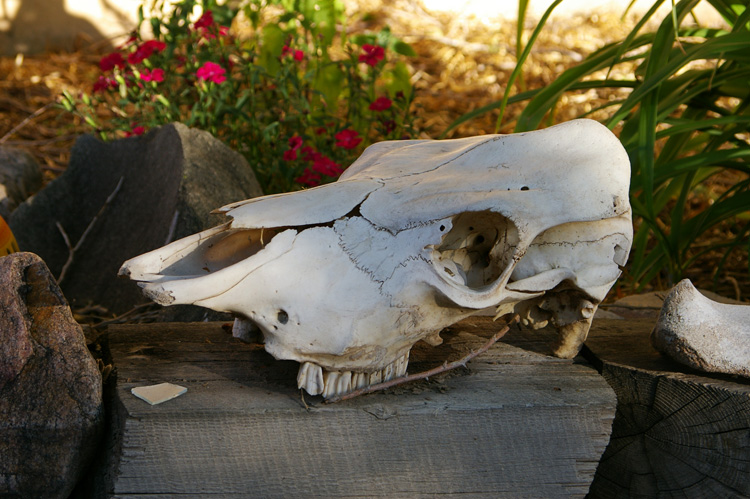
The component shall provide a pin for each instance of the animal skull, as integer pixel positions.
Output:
(416, 235)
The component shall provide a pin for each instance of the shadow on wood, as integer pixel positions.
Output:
(513, 423)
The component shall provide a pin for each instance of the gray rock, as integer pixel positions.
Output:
(172, 178)
(20, 177)
(702, 333)
(51, 412)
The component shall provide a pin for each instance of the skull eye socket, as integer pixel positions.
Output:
(477, 248)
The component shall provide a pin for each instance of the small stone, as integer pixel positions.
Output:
(51, 413)
(156, 394)
(702, 333)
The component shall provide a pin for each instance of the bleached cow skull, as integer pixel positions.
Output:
(414, 236)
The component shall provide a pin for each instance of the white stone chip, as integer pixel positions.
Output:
(156, 394)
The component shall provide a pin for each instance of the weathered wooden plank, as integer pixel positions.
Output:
(514, 423)
(678, 432)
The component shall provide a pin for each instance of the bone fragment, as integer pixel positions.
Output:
(156, 394)
(702, 333)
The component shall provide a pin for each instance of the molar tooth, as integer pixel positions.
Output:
(389, 371)
(375, 378)
(360, 380)
(401, 365)
(310, 377)
(344, 383)
(330, 378)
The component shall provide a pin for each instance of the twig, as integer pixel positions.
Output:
(447, 366)
(125, 315)
(25, 121)
(39, 142)
(172, 227)
(72, 249)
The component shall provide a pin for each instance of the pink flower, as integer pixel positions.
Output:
(381, 104)
(289, 155)
(104, 83)
(111, 61)
(205, 25)
(205, 21)
(327, 166)
(372, 54)
(309, 178)
(145, 50)
(212, 72)
(348, 139)
(156, 75)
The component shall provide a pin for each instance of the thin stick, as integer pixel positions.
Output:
(25, 121)
(447, 366)
(72, 250)
(172, 227)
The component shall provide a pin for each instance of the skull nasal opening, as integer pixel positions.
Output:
(477, 248)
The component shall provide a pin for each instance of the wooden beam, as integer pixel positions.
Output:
(513, 423)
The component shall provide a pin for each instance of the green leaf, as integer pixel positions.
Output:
(403, 48)
(329, 81)
(271, 48)
(398, 79)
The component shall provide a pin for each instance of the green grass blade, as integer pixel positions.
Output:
(535, 111)
(735, 159)
(624, 46)
(522, 60)
(710, 49)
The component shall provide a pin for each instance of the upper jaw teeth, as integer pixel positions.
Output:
(316, 381)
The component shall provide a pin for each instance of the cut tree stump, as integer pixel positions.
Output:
(678, 432)
(513, 423)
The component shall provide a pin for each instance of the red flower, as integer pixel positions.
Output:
(131, 39)
(348, 139)
(145, 50)
(327, 166)
(135, 130)
(156, 75)
(310, 154)
(295, 142)
(111, 61)
(297, 55)
(372, 54)
(104, 83)
(309, 178)
(289, 155)
(381, 104)
(205, 21)
(212, 72)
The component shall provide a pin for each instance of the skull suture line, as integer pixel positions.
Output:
(416, 235)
